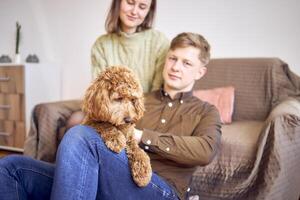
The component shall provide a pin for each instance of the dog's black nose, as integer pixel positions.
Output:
(127, 119)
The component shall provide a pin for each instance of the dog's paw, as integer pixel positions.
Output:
(116, 143)
(141, 168)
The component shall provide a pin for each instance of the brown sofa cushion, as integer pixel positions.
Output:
(260, 83)
(243, 134)
(234, 162)
(238, 146)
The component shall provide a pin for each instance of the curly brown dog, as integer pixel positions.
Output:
(112, 105)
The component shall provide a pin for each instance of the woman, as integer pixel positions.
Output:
(130, 41)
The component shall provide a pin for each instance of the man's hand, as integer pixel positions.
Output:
(137, 134)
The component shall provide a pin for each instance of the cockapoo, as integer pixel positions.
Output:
(112, 105)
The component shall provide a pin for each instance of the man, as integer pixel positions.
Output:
(178, 131)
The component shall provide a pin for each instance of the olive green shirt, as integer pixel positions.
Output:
(144, 52)
(178, 135)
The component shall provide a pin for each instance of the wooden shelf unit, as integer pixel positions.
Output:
(12, 107)
(21, 88)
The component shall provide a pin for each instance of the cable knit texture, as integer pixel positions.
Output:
(144, 52)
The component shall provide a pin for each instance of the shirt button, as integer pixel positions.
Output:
(181, 101)
(163, 121)
(146, 147)
(148, 141)
(170, 104)
(189, 189)
(167, 149)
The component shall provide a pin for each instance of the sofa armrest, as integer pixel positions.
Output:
(290, 106)
(278, 153)
(46, 120)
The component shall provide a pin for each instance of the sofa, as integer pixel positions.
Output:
(260, 148)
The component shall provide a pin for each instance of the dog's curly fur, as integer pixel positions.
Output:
(113, 104)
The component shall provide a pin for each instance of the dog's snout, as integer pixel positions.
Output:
(127, 119)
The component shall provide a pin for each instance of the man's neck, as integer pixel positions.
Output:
(172, 94)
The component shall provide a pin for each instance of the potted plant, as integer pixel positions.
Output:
(18, 37)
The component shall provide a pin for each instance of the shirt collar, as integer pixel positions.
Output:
(161, 94)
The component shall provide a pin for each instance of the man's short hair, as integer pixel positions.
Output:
(187, 39)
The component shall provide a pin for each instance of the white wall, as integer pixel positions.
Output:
(61, 32)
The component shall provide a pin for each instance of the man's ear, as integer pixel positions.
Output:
(201, 72)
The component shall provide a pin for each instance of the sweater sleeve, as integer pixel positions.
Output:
(197, 149)
(97, 59)
(160, 61)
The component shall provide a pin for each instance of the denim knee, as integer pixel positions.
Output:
(11, 163)
(80, 138)
(80, 134)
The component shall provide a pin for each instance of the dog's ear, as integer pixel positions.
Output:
(96, 100)
(139, 106)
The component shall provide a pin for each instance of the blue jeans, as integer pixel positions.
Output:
(85, 169)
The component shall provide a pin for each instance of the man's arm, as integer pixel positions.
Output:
(198, 148)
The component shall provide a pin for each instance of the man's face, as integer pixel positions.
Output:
(182, 68)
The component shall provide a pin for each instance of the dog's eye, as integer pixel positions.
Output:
(119, 99)
(133, 100)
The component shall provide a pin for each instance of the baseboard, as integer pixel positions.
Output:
(11, 149)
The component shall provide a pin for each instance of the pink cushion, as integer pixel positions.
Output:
(222, 98)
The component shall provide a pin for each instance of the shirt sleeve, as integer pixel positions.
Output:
(197, 149)
(97, 59)
(159, 63)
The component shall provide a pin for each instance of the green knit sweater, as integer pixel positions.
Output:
(144, 52)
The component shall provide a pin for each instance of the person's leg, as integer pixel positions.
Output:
(87, 169)
(22, 177)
